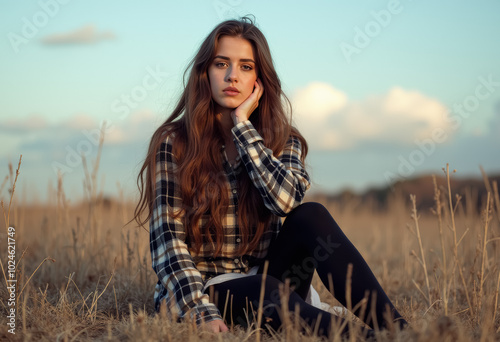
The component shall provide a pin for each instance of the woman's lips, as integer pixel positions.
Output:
(231, 92)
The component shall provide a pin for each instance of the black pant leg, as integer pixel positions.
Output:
(242, 295)
(311, 239)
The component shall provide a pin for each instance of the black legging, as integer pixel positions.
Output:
(309, 240)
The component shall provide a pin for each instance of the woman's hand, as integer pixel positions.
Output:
(216, 326)
(246, 108)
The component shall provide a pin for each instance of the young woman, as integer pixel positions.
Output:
(219, 174)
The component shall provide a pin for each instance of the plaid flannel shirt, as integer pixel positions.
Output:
(281, 180)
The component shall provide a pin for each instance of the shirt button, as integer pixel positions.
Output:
(235, 191)
(223, 146)
(238, 240)
(236, 261)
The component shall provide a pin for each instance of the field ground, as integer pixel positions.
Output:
(83, 274)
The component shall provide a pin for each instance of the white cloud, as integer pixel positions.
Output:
(330, 121)
(319, 100)
(138, 126)
(79, 121)
(33, 133)
(83, 35)
(17, 125)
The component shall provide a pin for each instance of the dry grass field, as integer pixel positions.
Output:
(83, 274)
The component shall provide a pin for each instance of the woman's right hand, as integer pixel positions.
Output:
(216, 326)
(246, 108)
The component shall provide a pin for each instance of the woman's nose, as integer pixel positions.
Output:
(232, 75)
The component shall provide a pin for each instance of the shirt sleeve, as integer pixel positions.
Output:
(179, 282)
(281, 180)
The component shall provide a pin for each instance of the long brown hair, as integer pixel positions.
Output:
(198, 140)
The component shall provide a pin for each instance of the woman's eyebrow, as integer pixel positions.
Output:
(241, 59)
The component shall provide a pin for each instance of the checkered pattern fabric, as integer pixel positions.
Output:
(281, 180)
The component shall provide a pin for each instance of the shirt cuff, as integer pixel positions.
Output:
(244, 133)
(206, 313)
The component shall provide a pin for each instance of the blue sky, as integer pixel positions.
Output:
(381, 90)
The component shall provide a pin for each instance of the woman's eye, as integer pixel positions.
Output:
(247, 67)
(220, 64)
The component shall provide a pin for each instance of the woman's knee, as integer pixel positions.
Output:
(307, 211)
(313, 215)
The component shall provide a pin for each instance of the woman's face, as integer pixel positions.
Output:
(232, 73)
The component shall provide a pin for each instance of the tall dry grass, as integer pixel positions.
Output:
(84, 274)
